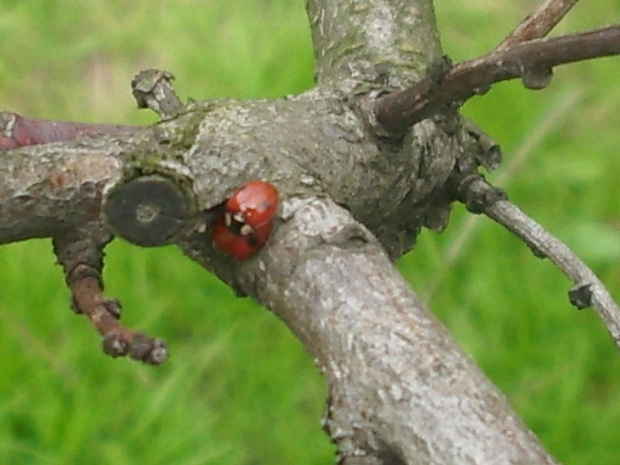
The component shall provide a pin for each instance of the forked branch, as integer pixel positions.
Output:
(148, 211)
(531, 61)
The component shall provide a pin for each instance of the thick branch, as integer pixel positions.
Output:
(46, 189)
(165, 183)
(389, 42)
(532, 61)
(399, 385)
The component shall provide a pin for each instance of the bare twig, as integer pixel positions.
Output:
(118, 340)
(81, 255)
(532, 61)
(18, 131)
(514, 163)
(151, 89)
(588, 291)
(539, 23)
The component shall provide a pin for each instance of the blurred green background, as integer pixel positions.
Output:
(238, 388)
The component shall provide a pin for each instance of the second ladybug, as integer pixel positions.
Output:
(247, 221)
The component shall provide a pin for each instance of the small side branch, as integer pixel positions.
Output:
(540, 23)
(588, 291)
(81, 255)
(152, 89)
(531, 61)
(18, 131)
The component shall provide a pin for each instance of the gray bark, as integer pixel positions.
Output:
(400, 390)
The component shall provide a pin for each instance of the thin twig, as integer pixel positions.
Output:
(539, 23)
(118, 341)
(532, 61)
(80, 252)
(151, 89)
(18, 131)
(588, 291)
(514, 163)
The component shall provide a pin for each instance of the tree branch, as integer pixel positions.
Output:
(531, 61)
(18, 131)
(81, 255)
(161, 184)
(50, 187)
(540, 23)
(399, 386)
(401, 391)
(389, 42)
(588, 290)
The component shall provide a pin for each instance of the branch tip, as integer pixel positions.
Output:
(152, 89)
(489, 152)
(81, 256)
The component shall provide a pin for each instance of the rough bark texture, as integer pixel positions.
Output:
(401, 391)
(363, 41)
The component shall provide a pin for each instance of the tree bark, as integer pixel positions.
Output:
(401, 391)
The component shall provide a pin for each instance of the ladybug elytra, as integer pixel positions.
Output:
(247, 221)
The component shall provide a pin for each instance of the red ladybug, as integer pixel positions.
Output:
(246, 223)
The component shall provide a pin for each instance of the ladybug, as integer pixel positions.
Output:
(246, 224)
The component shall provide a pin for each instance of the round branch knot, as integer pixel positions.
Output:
(148, 211)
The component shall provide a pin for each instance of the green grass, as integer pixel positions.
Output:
(238, 388)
